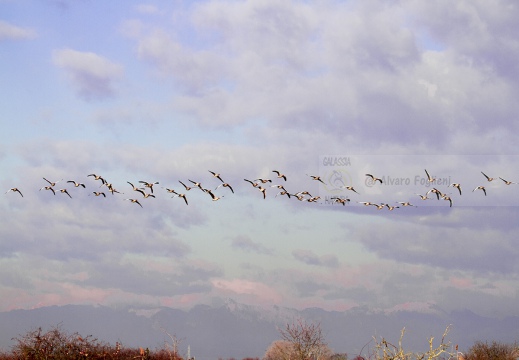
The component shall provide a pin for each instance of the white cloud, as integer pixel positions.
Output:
(12, 32)
(92, 75)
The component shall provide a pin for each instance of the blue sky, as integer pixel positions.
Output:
(166, 91)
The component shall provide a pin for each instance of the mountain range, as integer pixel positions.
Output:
(232, 330)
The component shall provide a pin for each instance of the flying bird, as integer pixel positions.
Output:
(435, 191)
(448, 198)
(424, 197)
(280, 175)
(48, 188)
(215, 198)
(135, 188)
(488, 178)
(183, 196)
(349, 188)
(198, 185)
(263, 181)
(52, 183)
(263, 190)
(225, 185)
(507, 182)
(429, 177)
(76, 184)
(15, 190)
(146, 195)
(252, 183)
(481, 188)
(98, 177)
(97, 193)
(185, 186)
(391, 208)
(457, 186)
(149, 184)
(405, 203)
(375, 179)
(342, 201)
(316, 178)
(135, 201)
(64, 191)
(216, 175)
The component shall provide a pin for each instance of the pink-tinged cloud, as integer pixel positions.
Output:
(261, 292)
(461, 283)
(92, 75)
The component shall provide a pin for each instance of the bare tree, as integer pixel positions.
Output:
(307, 340)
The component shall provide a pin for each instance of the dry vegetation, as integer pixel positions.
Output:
(299, 341)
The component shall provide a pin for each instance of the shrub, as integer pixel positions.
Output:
(494, 351)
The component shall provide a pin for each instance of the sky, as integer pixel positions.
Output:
(169, 91)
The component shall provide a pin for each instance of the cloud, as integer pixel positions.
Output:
(12, 32)
(92, 75)
(244, 243)
(310, 258)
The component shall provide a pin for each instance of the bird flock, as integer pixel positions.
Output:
(145, 189)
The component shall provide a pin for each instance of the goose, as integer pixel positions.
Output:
(281, 187)
(379, 206)
(507, 182)
(215, 198)
(225, 185)
(313, 199)
(135, 201)
(135, 188)
(366, 203)
(185, 186)
(446, 197)
(284, 192)
(263, 181)
(15, 190)
(98, 177)
(304, 193)
(183, 196)
(375, 179)
(280, 175)
(48, 188)
(489, 179)
(481, 188)
(149, 184)
(391, 208)
(169, 190)
(316, 178)
(255, 184)
(424, 197)
(430, 179)
(457, 186)
(64, 191)
(350, 188)
(405, 203)
(97, 193)
(76, 184)
(263, 190)
(299, 197)
(198, 185)
(146, 195)
(52, 183)
(436, 191)
(216, 175)
(343, 201)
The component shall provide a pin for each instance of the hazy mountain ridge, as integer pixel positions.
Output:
(230, 329)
